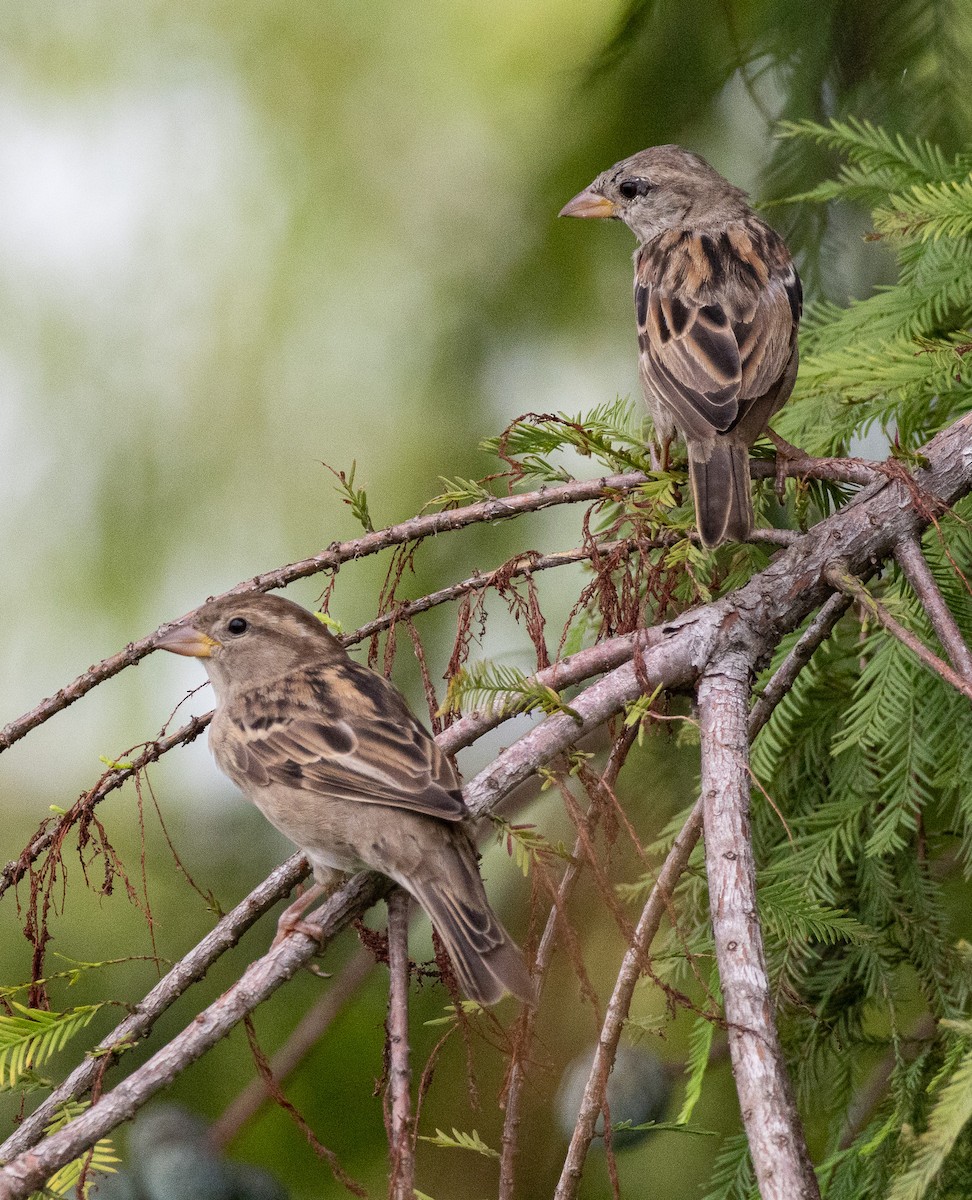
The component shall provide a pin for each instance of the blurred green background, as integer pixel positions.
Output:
(238, 241)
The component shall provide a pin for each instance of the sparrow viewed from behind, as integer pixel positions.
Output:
(332, 756)
(718, 302)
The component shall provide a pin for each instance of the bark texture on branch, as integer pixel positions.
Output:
(677, 860)
(399, 1104)
(777, 1143)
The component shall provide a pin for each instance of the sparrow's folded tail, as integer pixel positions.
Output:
(487, 961)
(719, 474)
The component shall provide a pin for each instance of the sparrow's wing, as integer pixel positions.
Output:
(342, 730)
(717, 318)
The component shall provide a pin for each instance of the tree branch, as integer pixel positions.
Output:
(816, 633)
(195, 964)
(109, 782)
(620, 1002)
(856, 471)
(20, 1176)
(138, 1024)
(497, 509)
(853, 587)
(941, 446)
(776, 688)
(462, 733)
(400, 1144)
(528, 1017)
(29, 1170)
(284, 878)
(917, 572)
(777, 1143)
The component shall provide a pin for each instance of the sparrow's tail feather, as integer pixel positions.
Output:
(487, 961)
(721, 489)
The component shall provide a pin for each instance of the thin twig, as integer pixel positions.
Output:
(841, 578)
(400, 1145)
(538, 972)
(668, 662)
(280, 882)
(917, 572)
(111, 780)
(308, 1032)
(785, 675)
(777, 1143)
(330, 559)
(529, 563)
(523, 564)
(462, 733)
(516, 1076)
(498, 509)
(21, 1175)
(194, 965)
(620, 1002)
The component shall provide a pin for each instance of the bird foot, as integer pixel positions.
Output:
(658, 453)
(296, 926)
(786, 452)
(292, 917)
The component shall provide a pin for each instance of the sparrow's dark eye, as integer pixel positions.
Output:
(237, 625)
(634, 187)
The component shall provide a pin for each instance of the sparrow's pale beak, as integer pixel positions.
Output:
(184, 639)
(589, 203)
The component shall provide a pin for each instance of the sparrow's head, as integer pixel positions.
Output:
(664, 187)
(249, 640)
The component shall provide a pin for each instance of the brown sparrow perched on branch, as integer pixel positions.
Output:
(332, 756)
(718, 302)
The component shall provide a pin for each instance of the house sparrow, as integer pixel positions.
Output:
(331, 755)
(718, 302)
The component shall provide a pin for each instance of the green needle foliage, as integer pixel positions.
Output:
(862, 800)
(27, 1041)
(489, 686)
(897, 359)
(461, 1141)
(101, 1159)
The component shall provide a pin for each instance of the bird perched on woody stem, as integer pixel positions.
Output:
(332, 756)
(718, 302)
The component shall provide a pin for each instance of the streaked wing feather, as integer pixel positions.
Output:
(712, 341)
(345, 732)
(764, 348)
